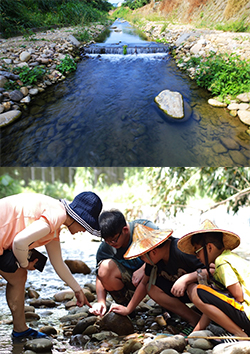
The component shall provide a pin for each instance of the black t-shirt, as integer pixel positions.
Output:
(105, 251)
(179, 263)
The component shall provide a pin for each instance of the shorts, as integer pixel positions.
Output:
(166, 286)
(124, 295)
(227, 304)
(8, 262)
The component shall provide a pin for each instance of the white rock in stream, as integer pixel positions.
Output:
(171, 103)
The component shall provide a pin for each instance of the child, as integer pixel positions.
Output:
(168, 272)
(229, 307)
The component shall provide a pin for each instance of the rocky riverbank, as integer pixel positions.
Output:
(186, 41)
(44, 50)
(151, 329)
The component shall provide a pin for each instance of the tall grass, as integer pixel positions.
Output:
(20, 15)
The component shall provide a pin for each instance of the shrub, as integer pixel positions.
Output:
(67, 65)
(30, 76)
(222, 74)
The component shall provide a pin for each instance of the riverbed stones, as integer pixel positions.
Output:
(39, 345)
(171, 103)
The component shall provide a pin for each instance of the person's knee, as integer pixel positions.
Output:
(106, 269)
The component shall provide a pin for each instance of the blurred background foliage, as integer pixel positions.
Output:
(169, 189)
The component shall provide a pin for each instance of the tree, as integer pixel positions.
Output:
(173, 187)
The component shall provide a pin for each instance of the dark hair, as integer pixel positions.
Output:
(111, 223)
(208, 237)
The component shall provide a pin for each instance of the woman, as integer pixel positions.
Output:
(32, 220)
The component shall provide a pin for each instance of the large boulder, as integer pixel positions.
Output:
(171, 103)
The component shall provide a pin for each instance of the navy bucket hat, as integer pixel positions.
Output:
(85, 210)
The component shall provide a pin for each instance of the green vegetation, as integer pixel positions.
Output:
(67, 65)
(25, 15)
(125, 49)
(135, 4)
(222, 74)
(234, 26)
(30, 76)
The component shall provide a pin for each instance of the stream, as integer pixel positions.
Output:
(104, 114)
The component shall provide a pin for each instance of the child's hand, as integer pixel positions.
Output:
(98, 309)
(122, 310)
(179, 287)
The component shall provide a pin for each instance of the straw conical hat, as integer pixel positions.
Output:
(230, 239)
(145, 239)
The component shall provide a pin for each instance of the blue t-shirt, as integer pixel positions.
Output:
(105, 251)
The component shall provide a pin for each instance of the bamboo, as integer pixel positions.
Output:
(217, 337)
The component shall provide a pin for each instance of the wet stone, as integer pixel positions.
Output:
(39, 345)
(77, 266)
(119, 324)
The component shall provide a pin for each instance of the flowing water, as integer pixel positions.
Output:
(104, 114)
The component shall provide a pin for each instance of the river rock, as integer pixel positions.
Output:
(215, 103)
(79, 340)
(244, 116)
(24, 56)
(43, 303)
(119, 324)
(49, 330)
(177, 342)
(244, 97)
(77, 266)
(83, 324)
(3, 80)
(131, 345)
(31, 316)
(8, 117)
(171, 103)
(74, 317)
(64, 295)
(16, 95)
(232, 348)
(73, 40)
(39, 345)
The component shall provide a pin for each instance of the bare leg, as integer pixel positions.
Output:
(174, 304)
(213, 313)
(15, 296)
(110, 275)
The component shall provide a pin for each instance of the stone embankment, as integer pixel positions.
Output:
(150, 330)
(187, 41)
(43, 49)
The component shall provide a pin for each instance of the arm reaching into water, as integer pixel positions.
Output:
(55, 256)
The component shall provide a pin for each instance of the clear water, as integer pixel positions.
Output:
(104, 114)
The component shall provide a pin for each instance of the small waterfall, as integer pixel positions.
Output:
(121, 48)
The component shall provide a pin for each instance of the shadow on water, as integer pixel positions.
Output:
(104, 114)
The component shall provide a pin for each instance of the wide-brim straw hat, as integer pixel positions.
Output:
(230, 239)
(145, 239)
(85, 209)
